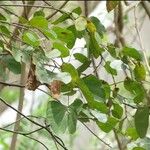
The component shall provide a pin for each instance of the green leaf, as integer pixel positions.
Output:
(39, 22)
(117, 111)
(138, 148)
(111, 5)
(65, 35)
(93, 104)
(77, 10)
(132, 133)
(83, 67)
(109, 125)
(2, 17)
(99, 27)
(109, 69)
(39, 13)
(57, 116)
(1, 46)
(141, 120)
(13, 65)
(136, 89)
(62, 18)
(49, 33)
(81, 23)
(31, 38)
(80, 57)
(4, 30)
(64, 50)
(112, 50)
(66, 67)
(94, 47)
(62, 116)
(139, 72)
(132, 52)
(95, 86)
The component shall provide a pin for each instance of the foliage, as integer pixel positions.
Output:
(97, 95)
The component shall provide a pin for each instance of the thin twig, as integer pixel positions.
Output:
(96, 135)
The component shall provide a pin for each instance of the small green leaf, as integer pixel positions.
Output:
(31, 38)
(111, 5)
(80, 57)
(112, 50)
(11, 64)
(4, 30)
(117, 111)
(80, 23)
(83, 67)
(1, 46)
(39, 13)
(49, 33)
(95, 86)
(139, 72)
(136, 89)
(99, 27)
(132, 52)
(39, 22)
(94, 47)
(132, 133)
(66, 67)
(2, 17)
(77, 10)
(109, 69)
(64, 50)
(93, 104)
(62, 18)
(141, 120)
(65, 35)
(109, 125)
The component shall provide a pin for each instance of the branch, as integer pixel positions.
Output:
(145, 8)
(51, 15)
(96, 135)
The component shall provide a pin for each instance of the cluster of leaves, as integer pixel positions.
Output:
(100, 96)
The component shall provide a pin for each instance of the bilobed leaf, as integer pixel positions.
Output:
(139, 72)
(91, 27)
(111, 5)
(81, 23)
(64, 50)
(99, 27)
(39, 22)
(132, 52)
(109, 125)
(141, 120)
(31, 38)
(112, 50)
(62, 18)
(109, 69)
(77, 10)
